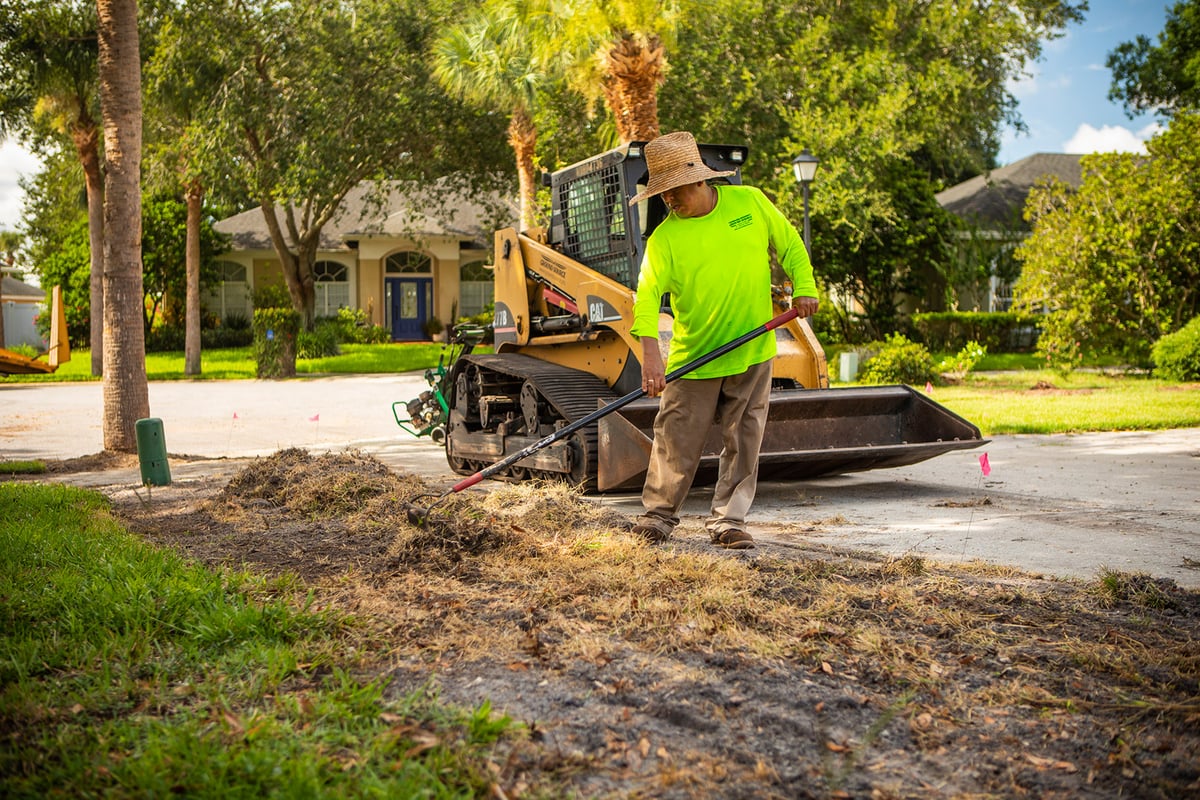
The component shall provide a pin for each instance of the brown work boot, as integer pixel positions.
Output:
(733, 539)
(652, 530)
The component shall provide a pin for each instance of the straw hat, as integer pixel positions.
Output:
(674, 160)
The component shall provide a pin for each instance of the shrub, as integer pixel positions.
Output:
(236, 322)
(965, 361)
(320, 342)
(271, 295)
(354, 327)
(999, 332)
(900, 361)
(165, 338)
(1177, 355)
(275, 331)
(433, 326)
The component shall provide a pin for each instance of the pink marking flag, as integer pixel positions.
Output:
(984, 465)
(928, 387)
(315, 418)
(235, 415)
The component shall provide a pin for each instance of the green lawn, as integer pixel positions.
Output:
(238, 363)
(126, 671)
(1046, 402)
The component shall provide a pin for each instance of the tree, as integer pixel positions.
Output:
(177, 146)
(495, 59)
(126, 395)
(880, 90)
(166, 271)
(1162, 78)
(316, 98)
(1117, 263)
(619, 52)
(48, 57)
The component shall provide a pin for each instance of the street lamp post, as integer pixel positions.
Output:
(805, 167)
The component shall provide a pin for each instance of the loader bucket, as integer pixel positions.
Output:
(809, 433)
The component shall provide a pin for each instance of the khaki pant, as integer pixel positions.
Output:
(686, 413)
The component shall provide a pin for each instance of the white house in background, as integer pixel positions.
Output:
(20, 304)
(403, 258)
(994, 203)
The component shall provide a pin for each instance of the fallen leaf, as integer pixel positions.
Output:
(1050, 763)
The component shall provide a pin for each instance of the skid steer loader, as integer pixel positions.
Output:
(563, 348)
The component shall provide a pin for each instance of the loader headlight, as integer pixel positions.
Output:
(635, 151)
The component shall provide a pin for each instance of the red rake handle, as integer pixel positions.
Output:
(561, 433)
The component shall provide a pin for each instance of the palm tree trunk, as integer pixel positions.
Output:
(522, 137)
(85, 133)
(126, 395)
(191, 342)
(634, 71)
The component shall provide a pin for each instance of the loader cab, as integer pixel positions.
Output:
(591, 219)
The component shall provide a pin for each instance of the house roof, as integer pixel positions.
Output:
(997, 198)
(12, 289)
(396, 211)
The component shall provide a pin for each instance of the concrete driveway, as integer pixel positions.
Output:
(1062, 505)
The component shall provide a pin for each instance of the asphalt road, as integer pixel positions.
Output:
(1061, 505)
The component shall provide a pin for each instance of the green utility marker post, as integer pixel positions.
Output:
(152, 452)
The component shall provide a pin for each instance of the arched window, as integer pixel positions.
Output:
(409, 261)
(476, 288)
(332, 287)
(229, 294)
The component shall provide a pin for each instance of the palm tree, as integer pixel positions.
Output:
(494, 60)
(126, 396)
(180, 95)
(48, 74)
(626, 42)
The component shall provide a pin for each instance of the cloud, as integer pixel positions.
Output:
(15, 162)
(1109, 139)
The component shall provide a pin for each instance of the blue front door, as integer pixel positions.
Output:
(410, 302)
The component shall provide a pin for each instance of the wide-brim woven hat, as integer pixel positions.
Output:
(674, 160)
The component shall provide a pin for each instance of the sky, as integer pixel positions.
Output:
(1063, 99)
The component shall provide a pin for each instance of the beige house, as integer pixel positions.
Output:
(403, 257)
(993, 204)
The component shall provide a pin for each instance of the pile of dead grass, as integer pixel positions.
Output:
(328, 485)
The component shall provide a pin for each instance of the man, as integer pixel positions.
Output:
(713, 255)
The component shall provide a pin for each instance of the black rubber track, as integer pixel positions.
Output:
(572, 393)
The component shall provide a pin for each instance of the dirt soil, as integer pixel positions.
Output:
(685, 671)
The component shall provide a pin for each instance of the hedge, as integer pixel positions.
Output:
(275, 331)
(998, 331)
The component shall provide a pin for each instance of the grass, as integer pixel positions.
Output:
(125, 671)
(1008, 402)
(237, 363)
(22, 467)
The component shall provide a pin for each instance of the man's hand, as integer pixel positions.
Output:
(807, 306)
(654, 374)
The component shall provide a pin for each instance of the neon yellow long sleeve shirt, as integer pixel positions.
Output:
(717, 269)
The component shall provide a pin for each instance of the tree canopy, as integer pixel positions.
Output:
(1163, 78)
(1117, 263)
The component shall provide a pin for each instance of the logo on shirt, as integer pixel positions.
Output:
(744, 221)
